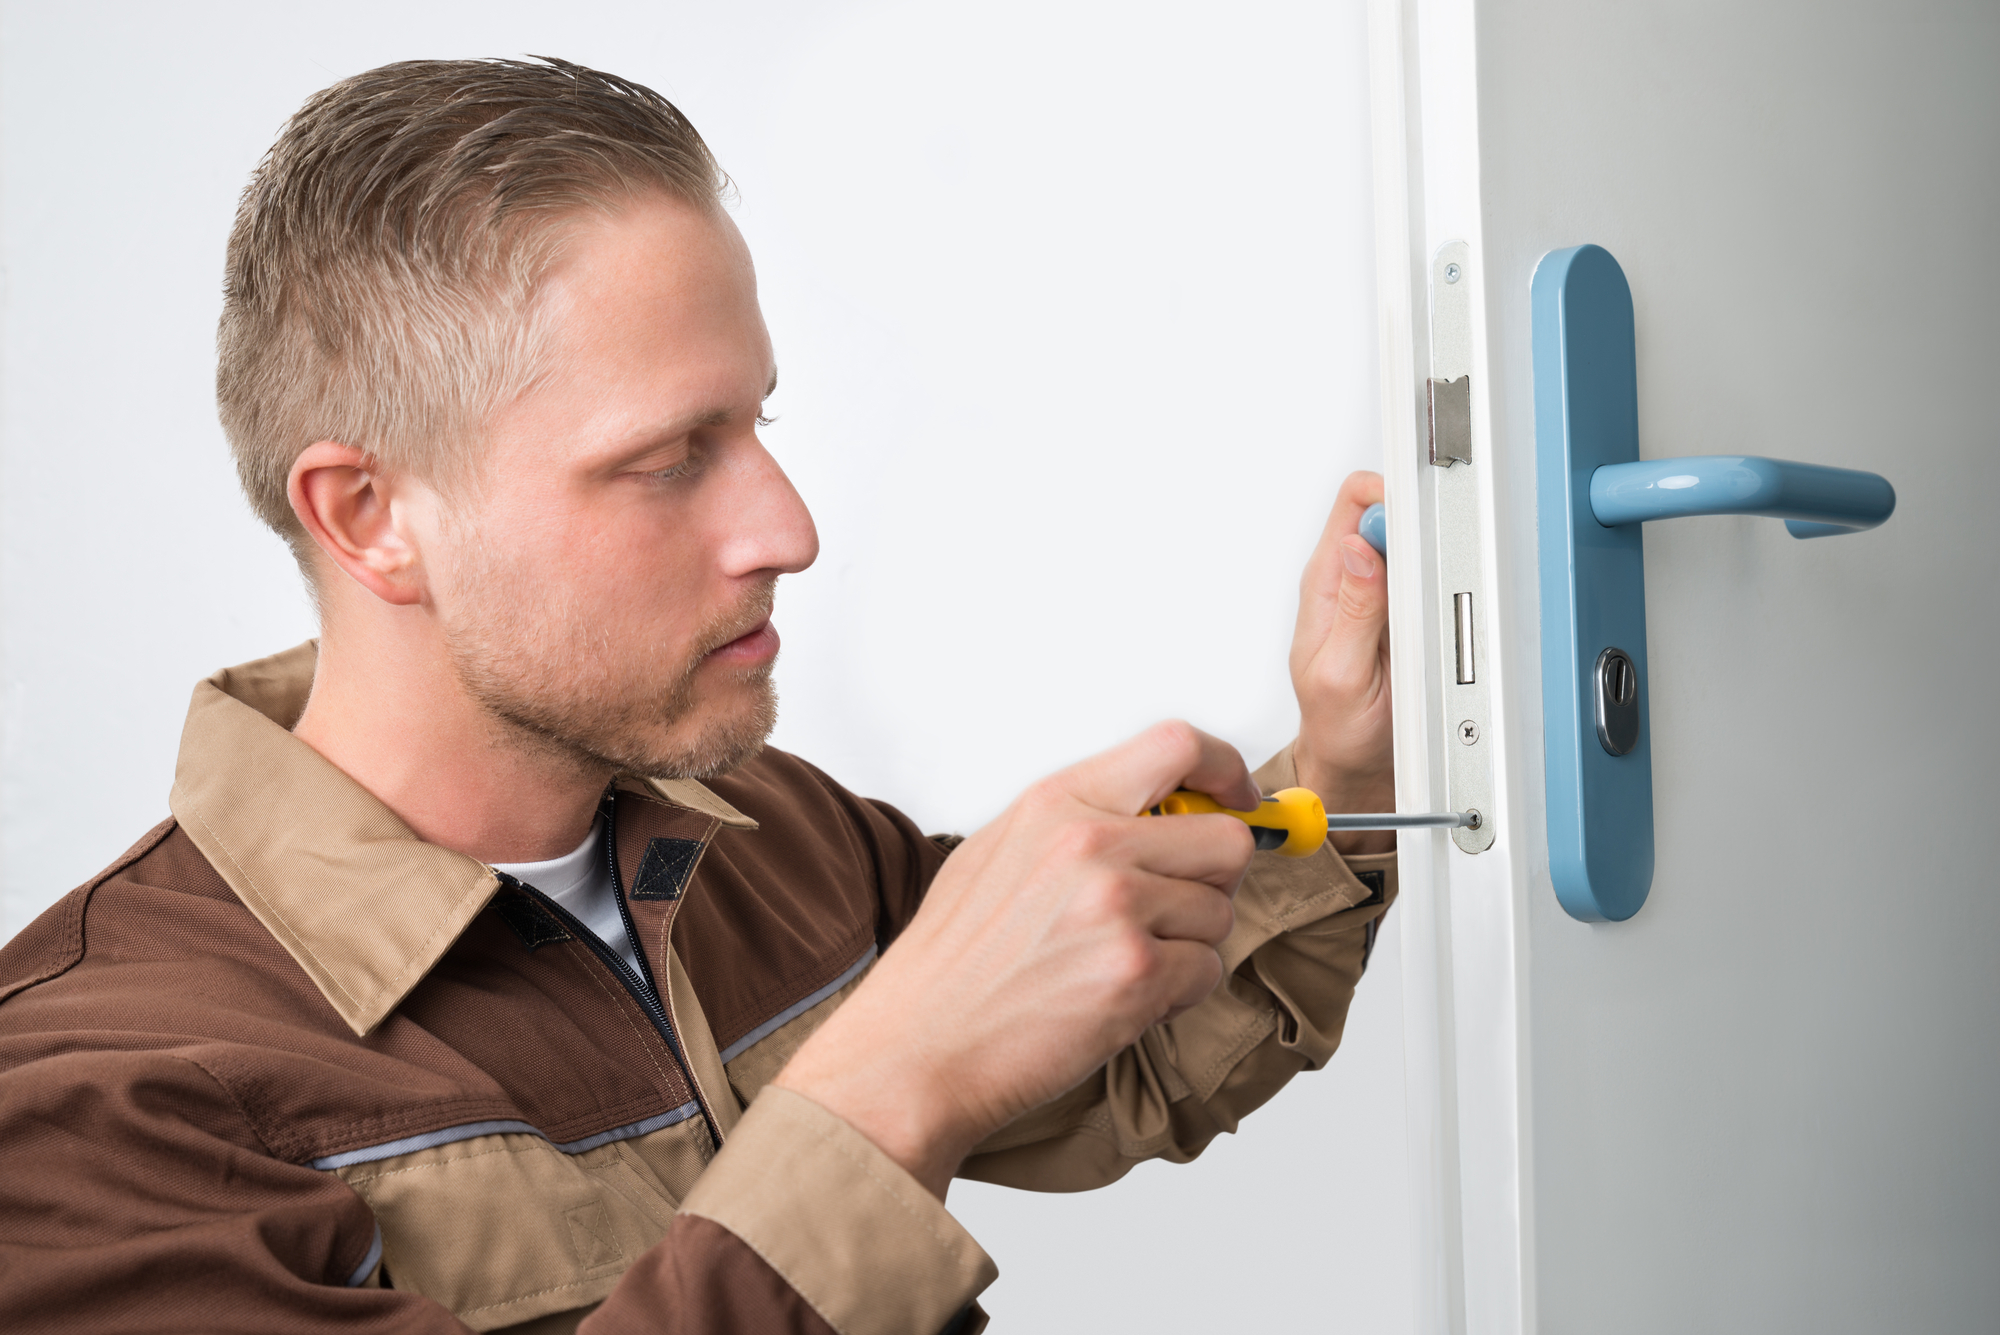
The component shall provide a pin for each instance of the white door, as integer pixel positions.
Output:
(1769, 1100)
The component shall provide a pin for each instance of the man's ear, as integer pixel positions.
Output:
(347, 503)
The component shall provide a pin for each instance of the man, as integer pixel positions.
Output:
(490, 973)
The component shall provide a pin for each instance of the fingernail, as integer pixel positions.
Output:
(1359, 564)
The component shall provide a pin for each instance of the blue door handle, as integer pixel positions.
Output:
(1375, 528)
(1592, 493)
(1814, 502)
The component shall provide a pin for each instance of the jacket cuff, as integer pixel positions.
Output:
(1279, 893)
(861, 1240)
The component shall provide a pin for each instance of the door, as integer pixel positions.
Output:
(1766, 1100)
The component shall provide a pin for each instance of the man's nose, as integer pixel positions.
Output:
(770, 528)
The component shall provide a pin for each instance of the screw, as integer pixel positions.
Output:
(1468, 732)
(1451, 272)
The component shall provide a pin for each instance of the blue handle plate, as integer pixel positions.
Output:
(1593, 584)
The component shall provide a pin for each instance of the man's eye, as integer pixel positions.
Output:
(680, 469)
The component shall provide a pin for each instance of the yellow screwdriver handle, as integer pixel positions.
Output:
(1291, 821)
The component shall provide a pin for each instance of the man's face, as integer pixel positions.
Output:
(605, 587)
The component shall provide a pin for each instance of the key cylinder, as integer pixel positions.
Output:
(1617, 680)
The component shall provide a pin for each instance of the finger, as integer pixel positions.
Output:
(1208, 848)
(1136, 774)
(1175, 910)
(1361, 489)
(1351, 655)
(1325, 572)
(1189, 971)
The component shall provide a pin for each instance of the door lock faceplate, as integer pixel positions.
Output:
(1460, 590)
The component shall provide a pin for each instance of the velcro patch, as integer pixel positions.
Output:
(535, 925)
(663, 871)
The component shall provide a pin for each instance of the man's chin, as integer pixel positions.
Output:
(712, 719)
(712, 740)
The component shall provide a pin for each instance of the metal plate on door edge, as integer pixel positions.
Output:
(1464, 662)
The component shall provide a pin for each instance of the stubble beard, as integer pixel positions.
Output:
(557, 683)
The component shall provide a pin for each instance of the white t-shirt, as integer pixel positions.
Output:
(581, 882)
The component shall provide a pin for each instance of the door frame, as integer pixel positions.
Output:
(1463, 915)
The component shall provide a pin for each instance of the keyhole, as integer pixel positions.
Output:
(1621, 681)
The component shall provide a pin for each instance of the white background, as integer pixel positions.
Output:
(1074, 310)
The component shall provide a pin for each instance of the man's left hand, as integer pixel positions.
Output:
(1340, 670)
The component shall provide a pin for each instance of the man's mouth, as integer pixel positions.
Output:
(759, 644)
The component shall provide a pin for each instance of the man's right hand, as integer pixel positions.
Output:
(1049, 941)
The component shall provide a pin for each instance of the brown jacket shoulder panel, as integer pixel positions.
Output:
(53, 942)
(173, 963)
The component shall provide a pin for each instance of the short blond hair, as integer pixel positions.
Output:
(380, 275)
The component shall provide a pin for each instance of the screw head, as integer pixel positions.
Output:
(1468, 732)
(1451, 273)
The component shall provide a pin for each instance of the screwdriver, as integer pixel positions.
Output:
(1292, 821)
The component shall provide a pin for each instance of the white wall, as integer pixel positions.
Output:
(1074, 308)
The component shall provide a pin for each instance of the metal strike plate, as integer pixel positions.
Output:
(1597, 747)
(1461, 590)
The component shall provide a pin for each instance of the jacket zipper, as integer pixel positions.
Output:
(653, 995)
(641, 989)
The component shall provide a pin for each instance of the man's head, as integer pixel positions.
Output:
(491, 360)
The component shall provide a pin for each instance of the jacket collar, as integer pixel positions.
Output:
(365, 906)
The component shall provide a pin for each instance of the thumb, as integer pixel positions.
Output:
(1349, 655)
(1323, 593)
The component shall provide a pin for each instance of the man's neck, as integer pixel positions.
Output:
(393, 716)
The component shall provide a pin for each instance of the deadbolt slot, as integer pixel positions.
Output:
(1461, 609)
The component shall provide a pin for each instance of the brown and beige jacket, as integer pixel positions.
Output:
(283, 1067)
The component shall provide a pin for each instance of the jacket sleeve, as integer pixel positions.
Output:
(134, 1197)
(802, 1225)
(1304, 931)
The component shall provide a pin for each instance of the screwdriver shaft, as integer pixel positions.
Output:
(1391, 820)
